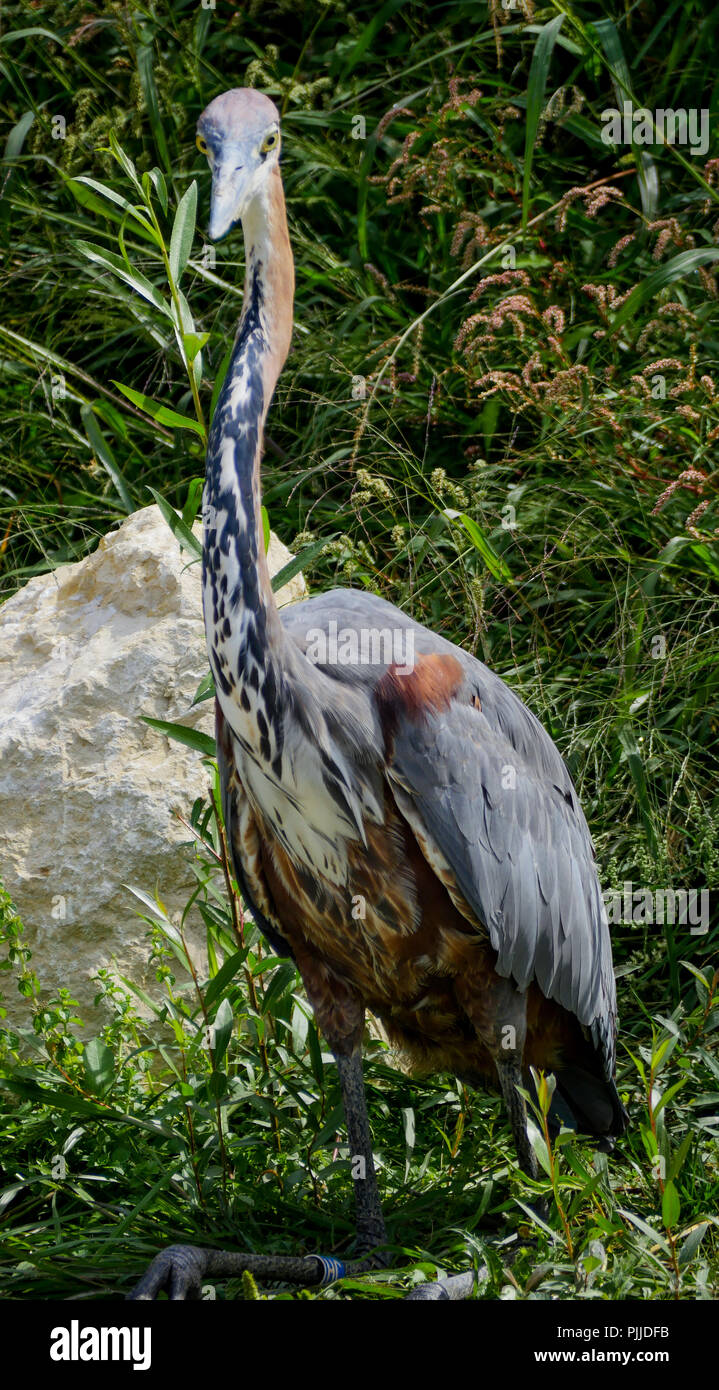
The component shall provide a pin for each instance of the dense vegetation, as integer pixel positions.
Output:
(499, 412)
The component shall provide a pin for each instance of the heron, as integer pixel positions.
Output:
(404, 829)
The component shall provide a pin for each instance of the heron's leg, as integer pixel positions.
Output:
(181, 1270)
(510, 1077)
(340, 1015)
(370, 1221)
(498, 1012)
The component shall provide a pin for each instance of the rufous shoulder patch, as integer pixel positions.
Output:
(434, 679)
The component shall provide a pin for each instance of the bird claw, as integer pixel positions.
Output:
(178, 1270)
(457, 1287)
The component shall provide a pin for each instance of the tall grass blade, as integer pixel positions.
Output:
(538, 73)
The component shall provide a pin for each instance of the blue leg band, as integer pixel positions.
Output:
(332, 1269)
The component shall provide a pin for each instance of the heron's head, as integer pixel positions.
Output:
(240, 134)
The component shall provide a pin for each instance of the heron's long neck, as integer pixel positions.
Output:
(244, 632)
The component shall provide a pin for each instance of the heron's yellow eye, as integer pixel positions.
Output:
(270, 142)
(202, 144)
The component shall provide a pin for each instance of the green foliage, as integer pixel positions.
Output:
(500, 411)
(215, 1114)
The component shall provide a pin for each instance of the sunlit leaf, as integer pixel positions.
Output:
(159, 412)
(183, 231)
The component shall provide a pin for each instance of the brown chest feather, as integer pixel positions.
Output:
(395, 939)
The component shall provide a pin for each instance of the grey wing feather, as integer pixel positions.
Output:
(505, 833)
(496, 800)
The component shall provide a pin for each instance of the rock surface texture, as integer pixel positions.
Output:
(87, 790)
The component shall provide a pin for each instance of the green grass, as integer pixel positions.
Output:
(524, 462)
(115, 1147)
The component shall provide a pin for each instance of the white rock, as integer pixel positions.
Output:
(87, 791)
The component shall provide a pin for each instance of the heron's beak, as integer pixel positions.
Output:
(230, 190)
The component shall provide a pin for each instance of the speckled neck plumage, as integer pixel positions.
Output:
(244, 634)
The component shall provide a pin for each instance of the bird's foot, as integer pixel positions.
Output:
(453, 1289)
(178, 1271)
